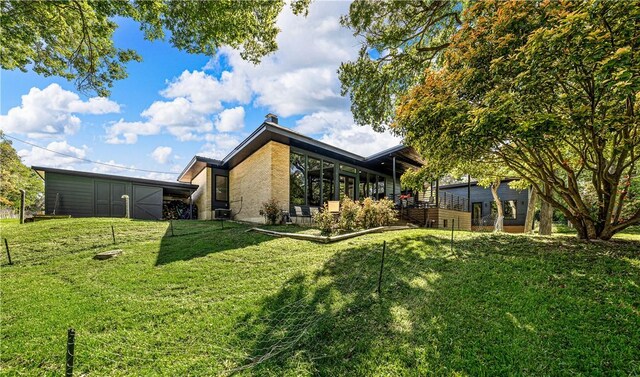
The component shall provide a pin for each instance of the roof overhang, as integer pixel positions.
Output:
(406, 157)
(169, 186)
(195, 166)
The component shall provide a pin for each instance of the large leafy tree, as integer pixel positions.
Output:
(73, 39)
(15, 176)
(552, 89)
(399, 39)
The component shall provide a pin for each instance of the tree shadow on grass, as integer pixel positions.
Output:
(496, 305)
(195, 239)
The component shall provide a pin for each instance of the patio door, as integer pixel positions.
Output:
(347, 186)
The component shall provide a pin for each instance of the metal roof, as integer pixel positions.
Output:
(151, 182)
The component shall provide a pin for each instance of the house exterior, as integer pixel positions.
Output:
(274, 162)
(296, 170)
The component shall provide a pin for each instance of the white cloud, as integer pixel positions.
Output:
(301, 76)
(113, 168)
(40, 157)
(338, 129)
(192, 99)
(218, 146)
(130, 131)
(51, 112)
(231, 120)
(161, 154)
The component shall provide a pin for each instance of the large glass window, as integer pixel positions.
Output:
(347, 186)
(362, 189)
(313, 181)
(381, 188)
(296, 179)
(328, 183)
(508, 207)
(222, 188)
(372, 187)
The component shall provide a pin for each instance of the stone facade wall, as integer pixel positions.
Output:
(202, 196)
(260, 177)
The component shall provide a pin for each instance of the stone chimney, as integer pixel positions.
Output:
(273, 118)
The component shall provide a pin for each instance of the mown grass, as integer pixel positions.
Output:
(211, 301)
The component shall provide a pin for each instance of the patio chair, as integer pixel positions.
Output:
(301, 213)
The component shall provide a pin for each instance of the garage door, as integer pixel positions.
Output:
(147, 202)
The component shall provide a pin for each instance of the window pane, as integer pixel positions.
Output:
(328, 187)
(510, 209)
(348, 168)
(313, 181)
(296, 179)
(373, 186)
(381, 191)
(362, 190)
(222, 188)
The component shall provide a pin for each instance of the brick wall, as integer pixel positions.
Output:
(202, 196)
(260, 177)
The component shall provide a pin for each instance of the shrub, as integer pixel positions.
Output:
(386, 213)
(348, 214)
(325, 221)
(367, 214)
(271, 211)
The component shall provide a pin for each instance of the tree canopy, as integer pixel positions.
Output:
(74, 39)
(15, 176)
(551, 88)
(399, 39)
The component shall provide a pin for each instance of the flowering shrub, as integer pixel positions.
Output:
(348, 214)
(353, 215)
(325, 221)
(271, 211)
(385, 212)
(367, 215)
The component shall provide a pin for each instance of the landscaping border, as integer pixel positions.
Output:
(329, 239)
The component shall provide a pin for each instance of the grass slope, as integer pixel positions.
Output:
(213, 301)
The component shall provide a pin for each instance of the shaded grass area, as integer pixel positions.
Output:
(211, 301)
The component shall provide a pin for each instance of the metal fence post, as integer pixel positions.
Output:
(22, 200)
(113, 234)
(6, 245)
(71, 335)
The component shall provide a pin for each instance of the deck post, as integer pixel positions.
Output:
(438, 193)
(191, 205)
(468, 192)
(394, 180)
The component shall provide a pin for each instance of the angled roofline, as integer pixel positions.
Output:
(278, 129)
(195, 159)
(154, 182)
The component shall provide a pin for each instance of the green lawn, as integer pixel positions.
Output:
(211, 301)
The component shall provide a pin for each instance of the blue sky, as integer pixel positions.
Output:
(174, 105)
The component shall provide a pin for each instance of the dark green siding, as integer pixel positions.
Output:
(76, 195)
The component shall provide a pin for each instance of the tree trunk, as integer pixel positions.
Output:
(546, 216)
(499, 224)
(531, 209)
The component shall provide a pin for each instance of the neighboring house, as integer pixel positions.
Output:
(301, 173)
(483, 207)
